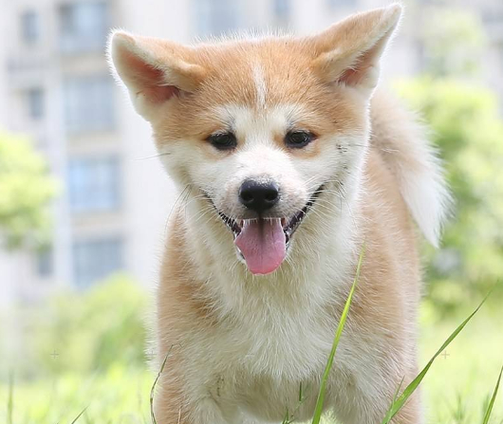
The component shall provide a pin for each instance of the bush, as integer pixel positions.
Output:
(86, 332)
(469, 133)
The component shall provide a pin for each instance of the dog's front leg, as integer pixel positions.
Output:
(204, 411)
(196, 408)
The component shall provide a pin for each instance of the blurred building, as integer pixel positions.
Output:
(55, 86)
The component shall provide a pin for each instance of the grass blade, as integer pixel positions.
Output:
(399, 402)
(289, 419)
(321, 394)
(152, 390)
(10, 399)
(493, 399)
(78, 416)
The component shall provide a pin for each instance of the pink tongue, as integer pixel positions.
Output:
(263, 244)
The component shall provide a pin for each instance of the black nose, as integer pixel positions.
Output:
(258, 196)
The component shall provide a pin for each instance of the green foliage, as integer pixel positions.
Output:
(453, 40)
(469, 133)
(87, 332)
(25, 193)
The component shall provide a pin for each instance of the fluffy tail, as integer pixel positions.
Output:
(402, 142)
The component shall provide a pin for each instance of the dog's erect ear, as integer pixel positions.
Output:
(349, 51)
(153, 70)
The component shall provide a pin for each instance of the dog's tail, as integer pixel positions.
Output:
(402, 142)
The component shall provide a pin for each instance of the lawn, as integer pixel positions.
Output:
(456, 390)
(460, 382)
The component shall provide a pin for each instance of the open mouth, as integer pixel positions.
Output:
(263, 242)
(289, 226)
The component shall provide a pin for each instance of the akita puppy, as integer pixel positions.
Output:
(287, 162)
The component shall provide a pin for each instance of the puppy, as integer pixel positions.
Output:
(288, 161)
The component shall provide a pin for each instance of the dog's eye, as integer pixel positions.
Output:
(298, 139)
(223, 141)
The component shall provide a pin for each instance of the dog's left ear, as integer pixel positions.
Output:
(349, 52)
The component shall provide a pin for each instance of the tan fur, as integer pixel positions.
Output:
(240, 345)
(385, 303)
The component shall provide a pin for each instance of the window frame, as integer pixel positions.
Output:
(88, 195)
(35, 99)
(89, 104)
(92, 262)
(30, 26)
(79, 34)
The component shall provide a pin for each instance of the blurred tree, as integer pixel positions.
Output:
(453, 41)
(25, 193)
(89, 331)
(469, 133)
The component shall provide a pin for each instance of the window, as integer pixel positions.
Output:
(30, 30)
(88, 104)
(94, 184)
(342, 3)
(45, 262)
(84, 26)
(35, 99)
(281, 9)
(216, 17)
(95, 260)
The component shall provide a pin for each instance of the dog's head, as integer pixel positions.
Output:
(261, 128)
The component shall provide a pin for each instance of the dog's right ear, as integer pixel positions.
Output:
(154, 71)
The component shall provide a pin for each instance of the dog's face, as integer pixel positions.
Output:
(263, 150)
(260, 129)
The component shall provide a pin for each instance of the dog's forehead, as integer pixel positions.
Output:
(268, 84)
(260, 73)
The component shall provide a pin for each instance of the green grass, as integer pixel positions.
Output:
(117, 397)
(490, 407)
(458, 389)
(459, 385)
(400, 399)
